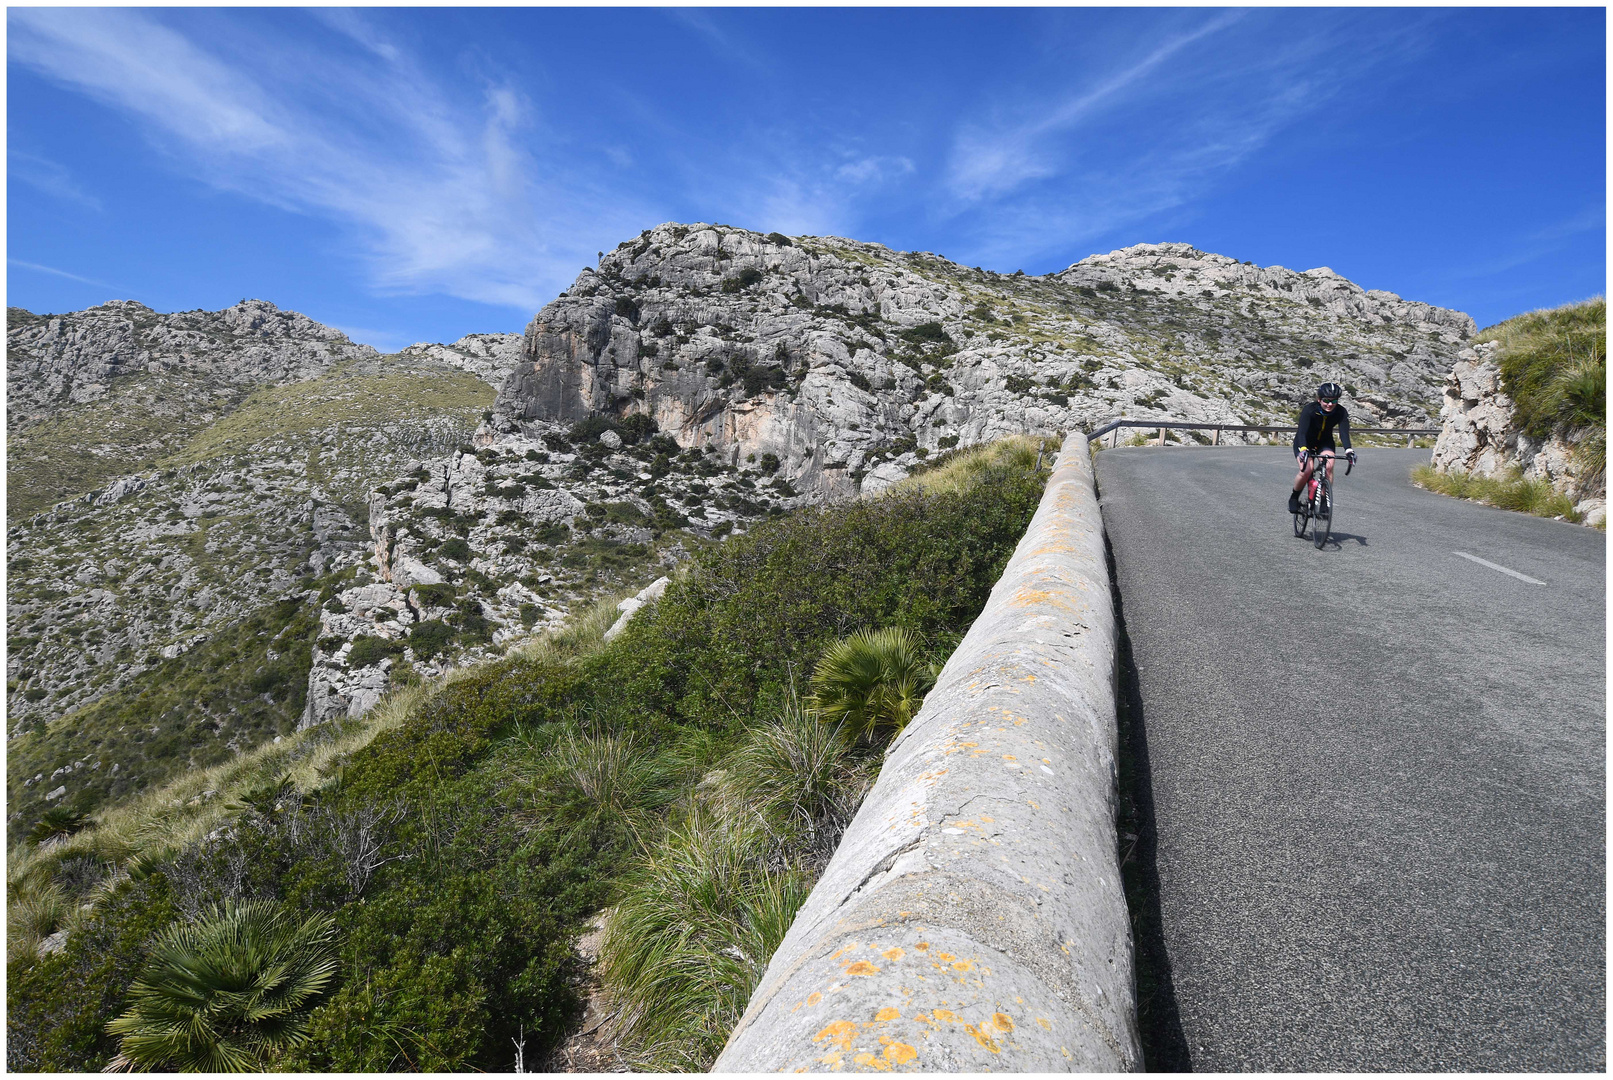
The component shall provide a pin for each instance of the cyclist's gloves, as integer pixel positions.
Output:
(1350, 454)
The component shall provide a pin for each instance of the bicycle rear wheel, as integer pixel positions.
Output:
(1322, 520)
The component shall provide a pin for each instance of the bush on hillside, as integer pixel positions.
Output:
(229, 993)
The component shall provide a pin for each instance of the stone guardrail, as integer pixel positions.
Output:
(1264, 429)
(972, 918)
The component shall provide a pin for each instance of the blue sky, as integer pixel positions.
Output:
(419, 174)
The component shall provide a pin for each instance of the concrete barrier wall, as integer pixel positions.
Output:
(972, 918)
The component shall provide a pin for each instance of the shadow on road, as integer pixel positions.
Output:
(1336, 539)
(1159, 1021)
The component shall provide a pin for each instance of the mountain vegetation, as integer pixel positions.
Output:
(463, 847)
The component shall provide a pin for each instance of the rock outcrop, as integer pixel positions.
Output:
(1479, 435)
(54, 361)
(490, 357)
(849, 362)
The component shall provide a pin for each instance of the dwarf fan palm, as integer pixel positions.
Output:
(227, 993)
(870, 680)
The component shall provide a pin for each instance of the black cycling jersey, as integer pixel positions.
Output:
(1316, 427)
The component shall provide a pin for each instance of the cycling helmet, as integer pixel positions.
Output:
(1329, 391)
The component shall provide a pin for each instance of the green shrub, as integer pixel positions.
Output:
(456, 549)
(229, 993)
(223, 693)
(57, 1007)
(435, 596)
(58, 821)
(429, 637)
(927, 332)
(872, 680)
(368, 650)
(744, 280)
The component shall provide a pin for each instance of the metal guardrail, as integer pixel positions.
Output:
(1265, 429)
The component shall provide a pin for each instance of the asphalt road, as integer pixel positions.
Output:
(1378, 771)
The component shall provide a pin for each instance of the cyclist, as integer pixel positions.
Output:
(1317, 422)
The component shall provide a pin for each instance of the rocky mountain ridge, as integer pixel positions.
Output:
(699, 379)
(851, 362)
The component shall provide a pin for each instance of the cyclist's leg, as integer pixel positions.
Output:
(1305, 471)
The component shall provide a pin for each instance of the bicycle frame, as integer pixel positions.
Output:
(1318, 502)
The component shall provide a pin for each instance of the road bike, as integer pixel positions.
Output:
(1316, 510)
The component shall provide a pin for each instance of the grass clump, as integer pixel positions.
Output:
(1509, 492)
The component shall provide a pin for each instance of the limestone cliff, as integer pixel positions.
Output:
(850, 362)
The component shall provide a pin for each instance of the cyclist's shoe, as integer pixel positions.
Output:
(1293, 502)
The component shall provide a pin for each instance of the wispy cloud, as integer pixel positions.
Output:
(1537, 244)
(43, 269)
(437, 192)
(728, 45)
(50, 177)
(1155, 133)
(990, 160)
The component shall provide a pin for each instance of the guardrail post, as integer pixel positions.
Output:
(1161, 436)
(1215, 439)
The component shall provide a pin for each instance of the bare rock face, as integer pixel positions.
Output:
(849, 362)
(1479, 435)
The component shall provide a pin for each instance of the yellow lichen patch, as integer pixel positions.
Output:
(921, 946)
(831, 1059)
(888, 1013)
(1045, 1025)
(943, 958)
(839, 1032)
(797, 1007)
(842, 952)
(983, 1039)
(898, 1053)
(869, 1061)
(1003, 1022)
(894, 953)
(963, 965)
(814, 998)
(861, 967)
(946, 1015)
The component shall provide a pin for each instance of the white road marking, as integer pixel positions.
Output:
(1501, 569)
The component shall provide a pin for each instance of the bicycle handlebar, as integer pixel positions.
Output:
(1349, 461)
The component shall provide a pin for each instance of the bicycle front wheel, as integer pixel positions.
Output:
(1322, 520)
(1299, 522)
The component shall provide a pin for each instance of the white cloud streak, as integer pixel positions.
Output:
(1153, 136)
(50, 177)
(43, 269)
(435, 194)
